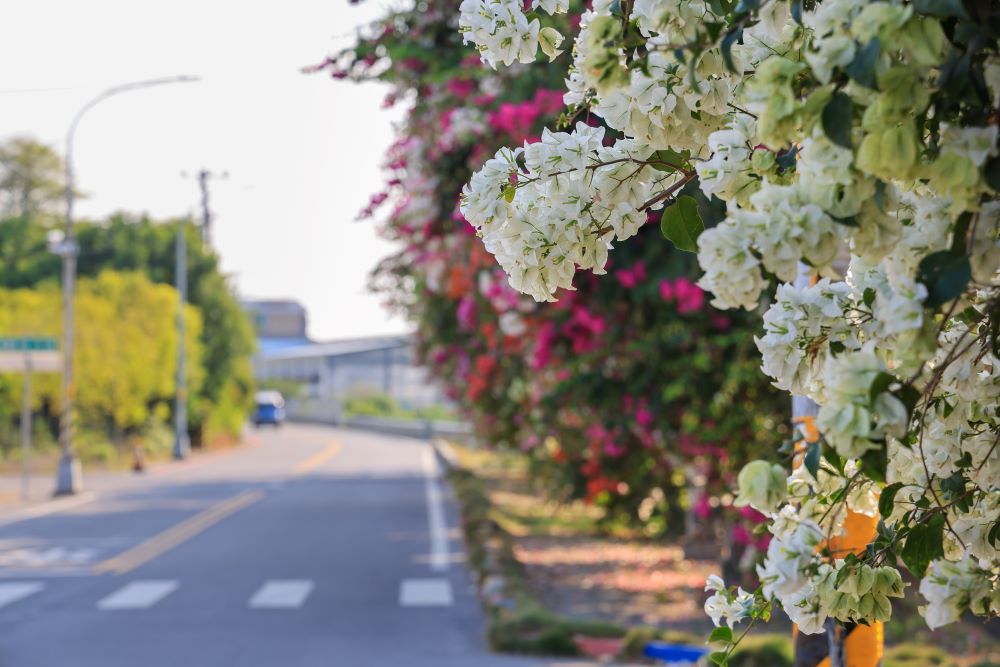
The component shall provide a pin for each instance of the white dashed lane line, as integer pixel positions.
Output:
(138, 595)
(425, 593)
(435, 513)
(13, 591)
(281, 594)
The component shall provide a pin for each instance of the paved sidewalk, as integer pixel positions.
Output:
(41, 484)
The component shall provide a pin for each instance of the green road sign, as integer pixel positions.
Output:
(27, 343)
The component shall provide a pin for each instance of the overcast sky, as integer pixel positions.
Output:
(302, 151)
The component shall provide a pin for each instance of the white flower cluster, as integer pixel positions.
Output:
(808, 132)
(724, 606)
(561, 210)
(503, 33)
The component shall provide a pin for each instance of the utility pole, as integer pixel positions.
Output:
(182, 441)
(204, 175)
(26, 428)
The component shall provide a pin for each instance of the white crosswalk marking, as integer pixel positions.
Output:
(18, 590)
(425, 593)
(281, 594)
(138, 595)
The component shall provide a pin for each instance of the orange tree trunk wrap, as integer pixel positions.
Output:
(852, 645)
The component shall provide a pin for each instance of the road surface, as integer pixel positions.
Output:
(310, 546)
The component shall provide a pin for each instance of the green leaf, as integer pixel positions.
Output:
(941, 8)
(960, 232)
(721, 7)
(880, 195)
(874, 462)
(833, 458)
(668, 159)
(945, 274)
(811, 459)
(714, 29)
(721, 634)
(991, 173)
(727, 48)
(924, 544)
(887, 500)
(953, 485)
(965, 462)
(850, 221)
(862, 68)
(797, 11)
(746, 6)
(879, 385)
(788, 159)
(836, 117)
(719, 658)
(682, 224)
(994, 535)
(869, 296)
(909, 395)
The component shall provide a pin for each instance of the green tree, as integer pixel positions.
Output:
(31, 178)
(126, 348)
(30, 187)
(137, 243)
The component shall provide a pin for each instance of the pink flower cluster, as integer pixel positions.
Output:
(584, 329)
(689, 297)
(643, 418)
(629, 278)
(495, 287)
(543, 346)
(604, 439)
(517, 120)
(466, 313)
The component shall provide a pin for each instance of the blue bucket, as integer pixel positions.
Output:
(676, 654)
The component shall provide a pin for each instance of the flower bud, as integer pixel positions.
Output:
(762, 486)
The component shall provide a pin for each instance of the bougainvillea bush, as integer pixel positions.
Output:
(631, 392)
(853, 145)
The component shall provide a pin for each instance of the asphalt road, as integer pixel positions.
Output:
(311, 546)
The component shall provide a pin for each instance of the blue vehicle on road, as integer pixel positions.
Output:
(270, 409)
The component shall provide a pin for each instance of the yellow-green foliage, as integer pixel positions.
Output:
(126, 346)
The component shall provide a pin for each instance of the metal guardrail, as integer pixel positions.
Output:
(426, 429)
(327, 412)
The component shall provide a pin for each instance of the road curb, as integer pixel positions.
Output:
(48, 507)
(445, 454)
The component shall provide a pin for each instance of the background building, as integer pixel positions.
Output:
(319, 378)
(279, 323)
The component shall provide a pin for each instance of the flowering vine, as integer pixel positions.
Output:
(849, 141)
(576, 385)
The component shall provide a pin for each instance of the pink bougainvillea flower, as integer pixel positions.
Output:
(643, 416)
(629, 278)
(701, 507)
(461, 88)
(666, 290)
(690, 297)
(466, 313)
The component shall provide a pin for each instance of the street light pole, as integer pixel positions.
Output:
(69, 476)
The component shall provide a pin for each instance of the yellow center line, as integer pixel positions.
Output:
(178, 534)
(316, 460)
